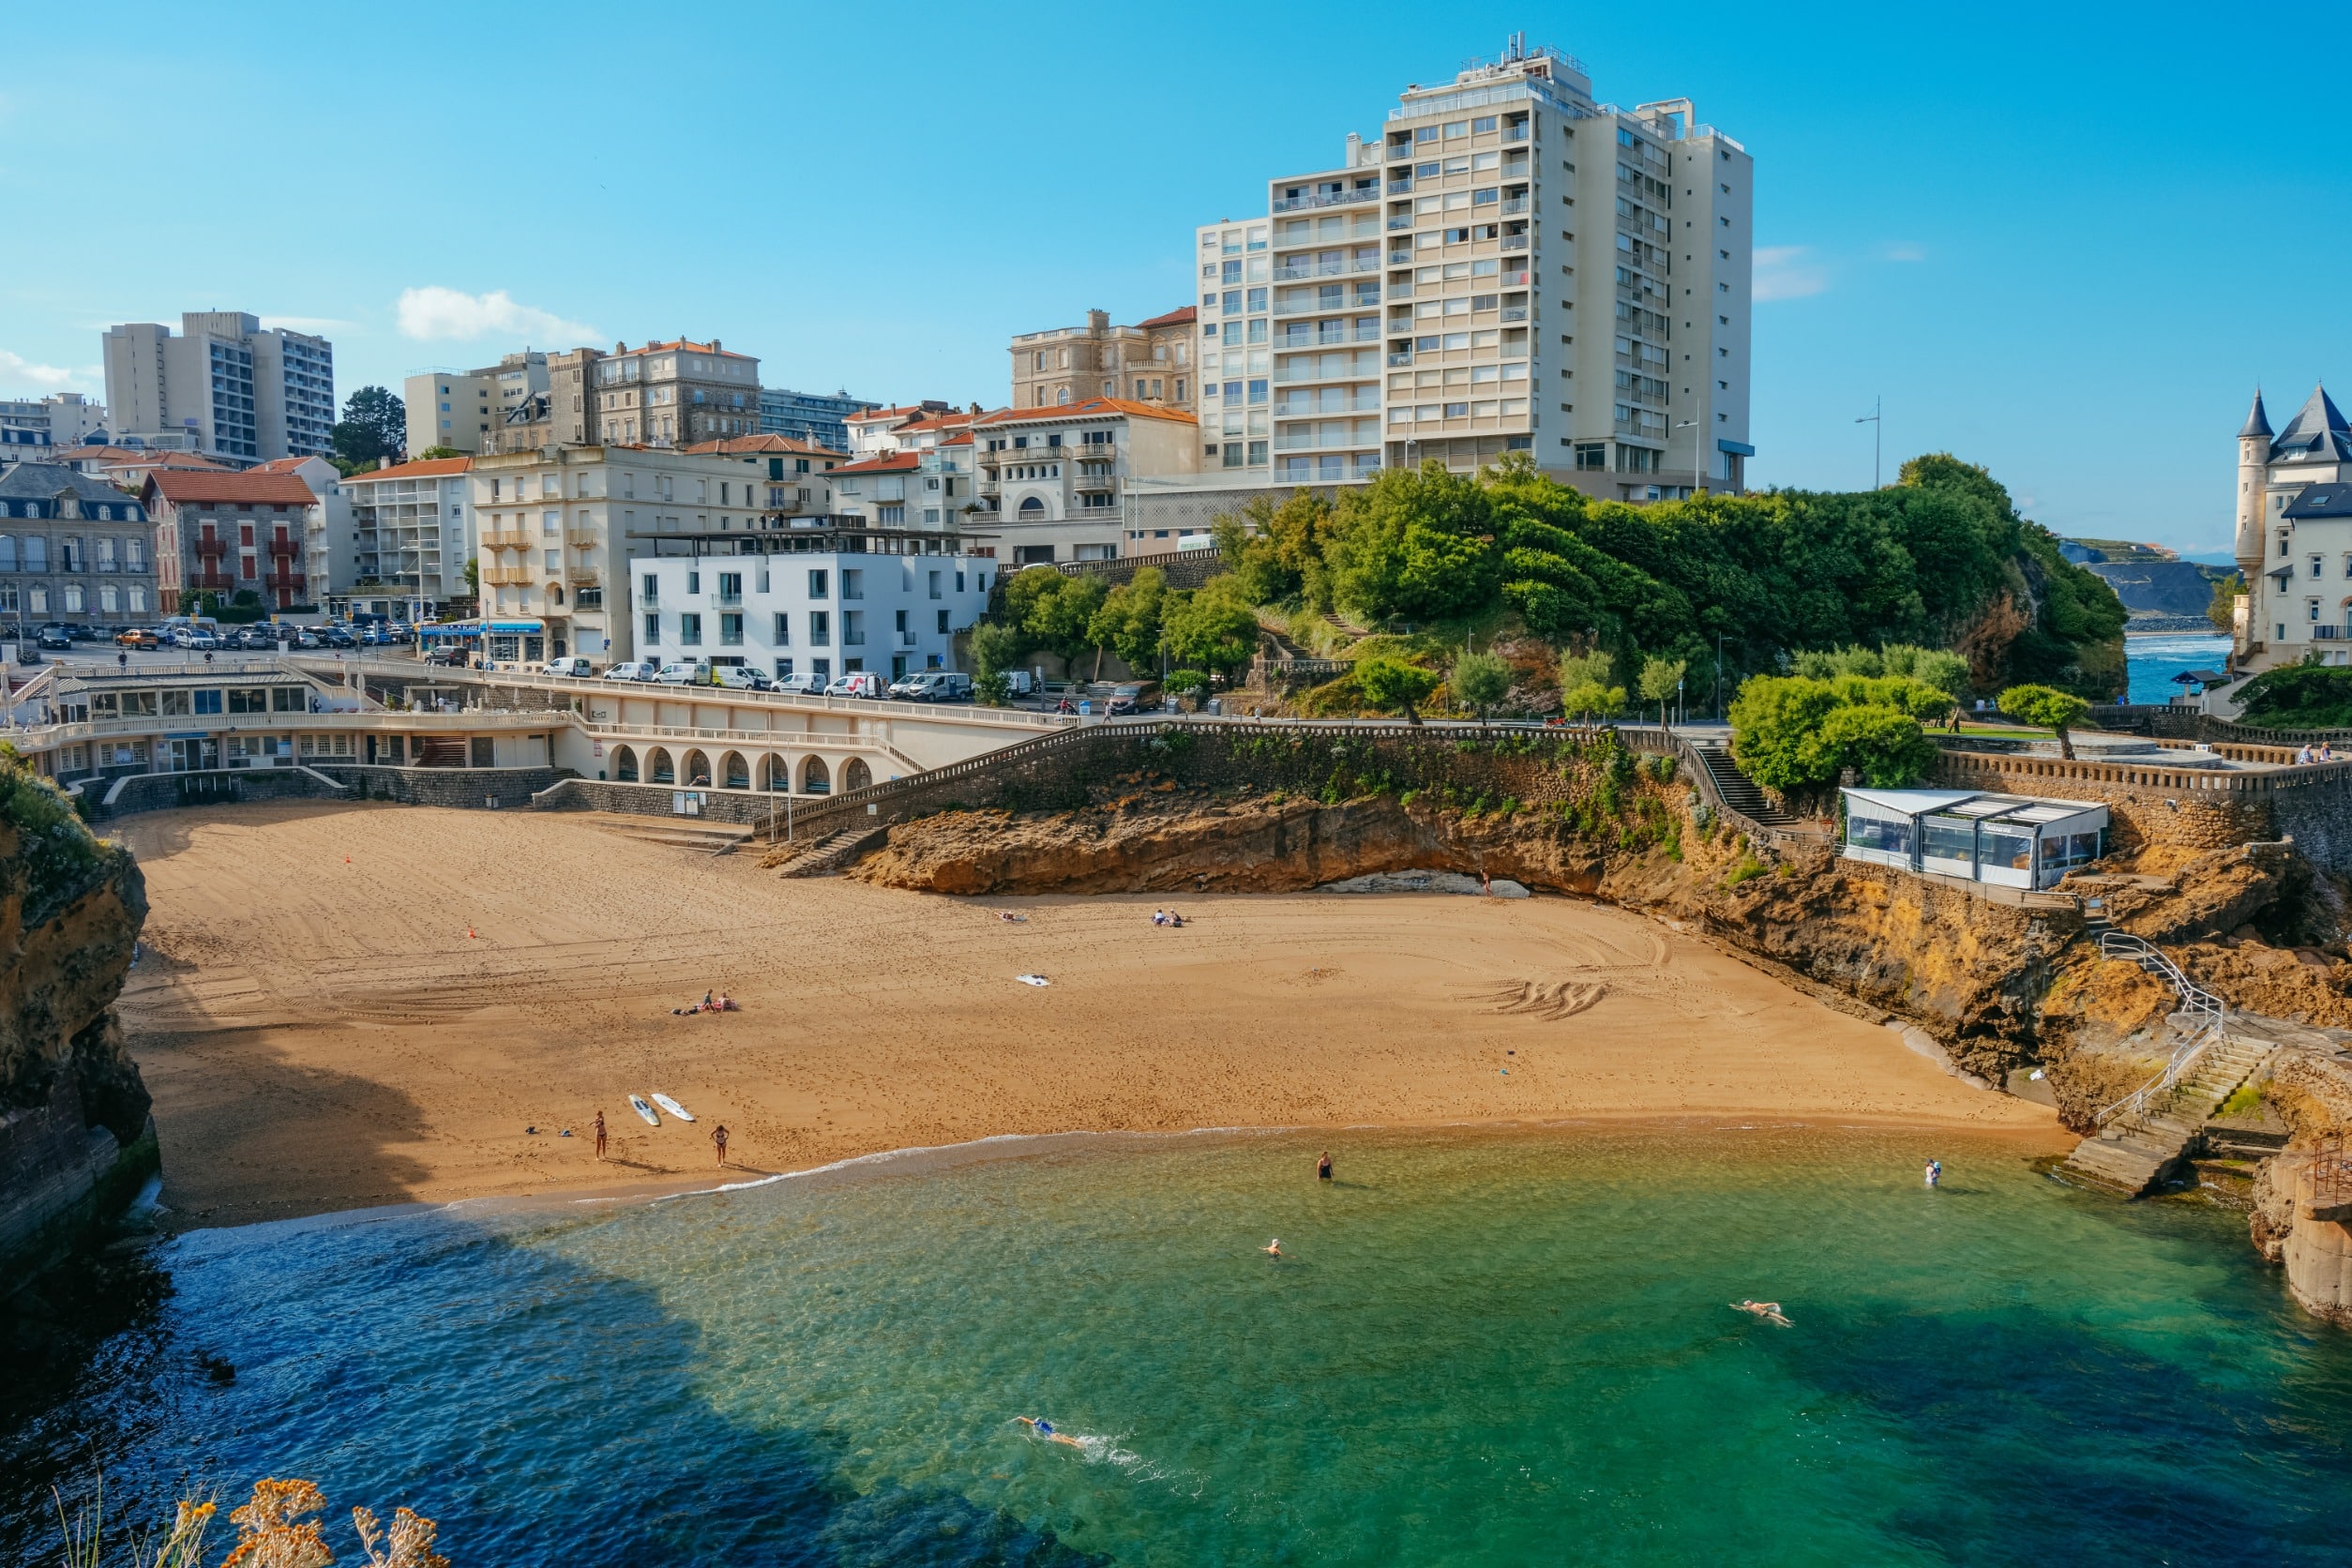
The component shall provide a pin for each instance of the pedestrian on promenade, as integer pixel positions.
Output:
(601, 1134)
(719, 1138)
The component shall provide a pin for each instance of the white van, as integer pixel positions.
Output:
(694, 673)
(857, 683)
(576, 667)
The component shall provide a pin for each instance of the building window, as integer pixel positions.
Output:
(689, 631)
(652, 626)
(819, 626)
(783, 638)
(852, 628)
(943, 623)
(816, 585)
(730, 629)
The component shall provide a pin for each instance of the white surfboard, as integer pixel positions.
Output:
(637, 1104)
(1033, 980)
(673, 1107)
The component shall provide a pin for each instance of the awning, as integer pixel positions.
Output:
(528, 627)
(450, 629)
(1911, 803)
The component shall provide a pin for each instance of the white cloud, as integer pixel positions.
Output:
(51, 378)
(1786, 272)
(1904, 251)
(434, 311)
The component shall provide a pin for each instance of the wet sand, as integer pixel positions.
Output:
(320, 1033)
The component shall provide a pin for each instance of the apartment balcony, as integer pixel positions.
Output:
(1395, 359)
(212, 547)
(1515, 312)
(508, 576)
(507, 540)
(211, 579)
(1514, 204)
(1515, 242)
(292, 581)
(1319, 307)
(1514, 133)
(1324, 198)
(285, 547)
(1514, 279)
(582, 538)
(988, 484)
(1401, 188)
(1105, 480)
(1402, 220)
(583, 576)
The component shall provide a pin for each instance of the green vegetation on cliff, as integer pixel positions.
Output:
(55, 858)
(1942, 560)
(2300, 697)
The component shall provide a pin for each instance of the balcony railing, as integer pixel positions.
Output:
(212, 547)
(506, 541)
(1402, 220)
(1319, 307)
(1515, 242)
(293, 581)
(1515, 312)
(1514, 203)
(1514, 133)
(1322, 269)
(285, 547)
(2327, 634)
(1326, 199)
(1400, 359)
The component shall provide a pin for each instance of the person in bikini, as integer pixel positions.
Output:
(1044, 1428)
(1769, 1311)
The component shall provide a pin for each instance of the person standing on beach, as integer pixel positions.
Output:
(719, 1138)
(1322, 1166)
(601, 1134)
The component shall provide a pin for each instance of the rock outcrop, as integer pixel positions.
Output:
(75, 1140)
(2302, 1199)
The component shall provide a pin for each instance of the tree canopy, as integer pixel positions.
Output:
(374, 426)
(1792, 732)
(2048, 707)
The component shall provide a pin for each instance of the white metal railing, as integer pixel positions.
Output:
(2204, 1010)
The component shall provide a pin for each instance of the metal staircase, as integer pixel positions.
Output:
(2143, 1135)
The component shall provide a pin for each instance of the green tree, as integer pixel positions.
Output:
(1948, 672)
(1415, 544)
(432, 453)
(1391, 683)
(2223, 611)
(1661, 678)
(1789, 733)
(1059, 613)
(1481, 680)
(374, 426)
(1276, 549)
(1584, 686)
(1128, 623)
(1213, 627)
(473, 575)
(996, 648)
(2049, 708)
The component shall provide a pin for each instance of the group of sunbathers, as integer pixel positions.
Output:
(713, 1001)
(1167, 918)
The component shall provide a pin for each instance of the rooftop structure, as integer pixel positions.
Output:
(2005, 840)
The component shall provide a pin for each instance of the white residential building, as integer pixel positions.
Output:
(1053, 483)
(412, 531)
(2294, 539)
(70, 418)
(223, 386)
(805, 613)
(1508, 265)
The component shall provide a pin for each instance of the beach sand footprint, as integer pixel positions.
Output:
(1559, 999)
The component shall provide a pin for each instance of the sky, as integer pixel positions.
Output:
(2066, 241)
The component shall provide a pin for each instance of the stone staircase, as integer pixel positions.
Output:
(2143, 1136)
(826, 855)
(1738, 791)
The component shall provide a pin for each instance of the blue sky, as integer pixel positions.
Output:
(2063, 242)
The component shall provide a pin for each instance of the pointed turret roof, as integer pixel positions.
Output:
(2318, 433)
(2258, 422)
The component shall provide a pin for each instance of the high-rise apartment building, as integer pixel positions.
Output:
(461, 409)
(70, 418)
(1150, 362)
(223, 386)
(1509, 265)
(815, 417)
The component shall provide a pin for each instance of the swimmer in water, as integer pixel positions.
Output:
(1273, 1248)
(1769, 1311)
(1044, 1428)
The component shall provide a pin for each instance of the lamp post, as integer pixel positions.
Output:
(1877, 429)
(1696, 461)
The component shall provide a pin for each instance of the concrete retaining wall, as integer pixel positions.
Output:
(510, 788)
(743, 807)
(165, 791)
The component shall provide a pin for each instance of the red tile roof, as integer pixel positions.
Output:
(1183, 316)
(742, 444)
(1092, 408)
(424, 468)
(904, 411)
(126, 454)
(182, 487)
(280, 465)
(685, 345)
(888, 463)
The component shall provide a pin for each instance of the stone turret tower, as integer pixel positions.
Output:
(2253, 474)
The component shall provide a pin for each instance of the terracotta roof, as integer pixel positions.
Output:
(279, 465)
(937, 422)
(1092, 408)
(685, 345)
(123, 454)
(737, 446)
(182, 486)
(904, 411)
(963, 440)
(424, 468)
(889, 462)
(1183, 316)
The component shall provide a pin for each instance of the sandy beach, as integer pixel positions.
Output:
(321, 1031)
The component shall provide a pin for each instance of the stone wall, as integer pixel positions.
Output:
(510, 788)
(164, 791)
(742, 808)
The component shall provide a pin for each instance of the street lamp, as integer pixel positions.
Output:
(1877, 429)
(1697, 461)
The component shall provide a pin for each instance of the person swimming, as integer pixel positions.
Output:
(1044, 1428)
(1273, 1248)
(1769, 1311)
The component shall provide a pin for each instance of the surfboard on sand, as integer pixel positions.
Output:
(638, 1104)
(1033, 980)
(673, 1107)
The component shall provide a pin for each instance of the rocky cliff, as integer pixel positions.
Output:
(2302, 1213)
(75, 1141)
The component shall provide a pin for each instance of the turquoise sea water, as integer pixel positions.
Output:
(1485, 1348)
(2152, 662)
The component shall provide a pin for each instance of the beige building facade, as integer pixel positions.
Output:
(1151, 362)
(1055, 483)
(464, 409)
(223, 386)
(2294, 537)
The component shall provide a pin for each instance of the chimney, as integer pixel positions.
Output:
(1355, 149)
(1098, 322)
(713, 345)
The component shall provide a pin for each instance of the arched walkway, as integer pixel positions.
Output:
(658, 767)
(625, 764)
(697, 770)
(776, 774)
(856, 774)
(734, 771)
(814, 779)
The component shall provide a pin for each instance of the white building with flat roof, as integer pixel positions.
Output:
(808, 613)
(2006, 840)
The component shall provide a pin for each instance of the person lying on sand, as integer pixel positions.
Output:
(1044, 1428)
(1009, 917)
(1769, 1311)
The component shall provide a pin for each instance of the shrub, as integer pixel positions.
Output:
(2046, 706)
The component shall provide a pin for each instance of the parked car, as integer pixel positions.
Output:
(934, 686)
(1124, 699)
(801, 684)
(336, 637)
(54, 637)
(200, 642)
(83, 633)
(744, 677)
(856, 683)
(137, 637)
(452, 656)
(682, 673)
(572, 666)
(635, 670)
